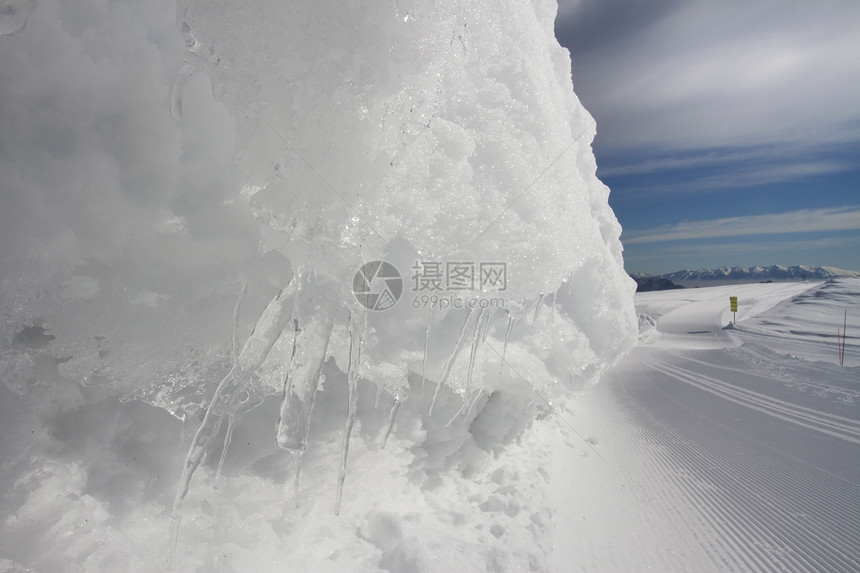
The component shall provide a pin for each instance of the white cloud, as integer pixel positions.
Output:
(801, 221)
(759, 165)
(764, 174)
(710, 74)
(731, 250)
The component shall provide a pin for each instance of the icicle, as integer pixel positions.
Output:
(457, 413)
(231, 421)
(266, 332)
(355, 330)
(486, 330)
(446, 370)
(464, 411)
(236, 310)
(537, 309)
(474, 401)
(476, 339)
(424, 359)
(315, 316)
(391, 416)
(297, 463)
(207, 431)
(507, 337)
(176, 95)
(296, 454)
(380, 392)
(183, 430)
(244, 401)
(301, 384)
(295, 337)
(552, 310)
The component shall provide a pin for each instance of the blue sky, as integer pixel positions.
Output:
(728, 132)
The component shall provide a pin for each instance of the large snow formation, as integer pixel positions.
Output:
(169, 259)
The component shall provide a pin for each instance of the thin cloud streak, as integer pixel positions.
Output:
(734, 179)
(758, 175)
(801, 221)
(781, 158)
(738, 178)
(731, 249)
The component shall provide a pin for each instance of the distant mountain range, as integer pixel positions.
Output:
(646, 283)
(758, 273)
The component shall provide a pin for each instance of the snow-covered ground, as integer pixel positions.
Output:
(707, 449)
(721, 449)
(157, 266)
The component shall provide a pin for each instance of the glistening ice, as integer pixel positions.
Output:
(442, 138)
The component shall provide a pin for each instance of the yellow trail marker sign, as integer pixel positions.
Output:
(733, 301)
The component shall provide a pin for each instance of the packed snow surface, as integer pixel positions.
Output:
(706, 449)
(722, 448)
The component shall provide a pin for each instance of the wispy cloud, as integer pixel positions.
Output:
(730, 249)
(782, 161)
(801, 221)
(761, 175)
(706, 74)
(730, 179)
(695, 99)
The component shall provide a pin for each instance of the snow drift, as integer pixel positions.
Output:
(215, 277)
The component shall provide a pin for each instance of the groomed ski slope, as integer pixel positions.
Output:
(720, 449)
